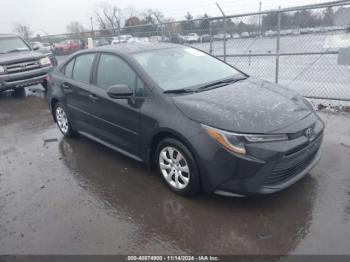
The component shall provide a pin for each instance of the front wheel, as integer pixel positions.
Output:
(62, 121)
(177, 167)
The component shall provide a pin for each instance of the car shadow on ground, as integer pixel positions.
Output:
(271, 224)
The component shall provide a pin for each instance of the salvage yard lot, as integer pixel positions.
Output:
(311, 75)
(73, 196)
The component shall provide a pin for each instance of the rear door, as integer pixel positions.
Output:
(77, 90)
(117, 120)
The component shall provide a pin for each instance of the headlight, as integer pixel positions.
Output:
(235, 143)
(45, 61)
(2, 70)
(308, 104)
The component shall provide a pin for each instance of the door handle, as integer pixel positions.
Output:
(93, 97)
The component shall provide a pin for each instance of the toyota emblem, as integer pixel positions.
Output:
(308, 132)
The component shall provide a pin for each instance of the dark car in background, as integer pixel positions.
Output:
(177, 39)
(101, 42)
(20, 64)
(203, 124)
(206, 38)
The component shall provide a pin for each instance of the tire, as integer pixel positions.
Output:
(19, 92)
(62, 121)
(179, 171)
(44, 85)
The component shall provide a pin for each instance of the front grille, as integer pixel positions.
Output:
(304, 145)
(23, 66)
(300, 133)
(285, 171)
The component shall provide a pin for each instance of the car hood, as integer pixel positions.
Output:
(19, 57)
(248, 106)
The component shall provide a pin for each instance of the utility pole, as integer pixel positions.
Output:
(223, 14)
(92, 27)
(260, 28)
(161, 25)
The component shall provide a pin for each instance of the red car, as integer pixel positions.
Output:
(67, 47)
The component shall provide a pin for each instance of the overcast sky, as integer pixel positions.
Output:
(53, 16)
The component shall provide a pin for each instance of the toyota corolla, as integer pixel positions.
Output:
(205, 125)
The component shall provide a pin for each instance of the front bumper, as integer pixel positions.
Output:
(23, 79)
(270, 167)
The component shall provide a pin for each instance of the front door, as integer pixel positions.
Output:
(117, 120)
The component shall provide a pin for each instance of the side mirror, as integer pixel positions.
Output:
(120, 92)
(35, 47)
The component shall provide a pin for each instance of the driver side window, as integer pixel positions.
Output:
(112, 70)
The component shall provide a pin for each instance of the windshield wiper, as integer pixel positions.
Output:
(209, 86)
(220, 83)
(16, 50)
(179, 91)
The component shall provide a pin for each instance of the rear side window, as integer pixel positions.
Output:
(112, 70)
(69, 69)
(82, 68)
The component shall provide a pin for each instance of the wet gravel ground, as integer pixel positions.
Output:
(73, 196)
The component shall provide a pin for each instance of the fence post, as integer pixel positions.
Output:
(211, 38)
(162, 32)
(225, 38)
(250, 57)
(278, 45)
(224, 17)
(119, 31)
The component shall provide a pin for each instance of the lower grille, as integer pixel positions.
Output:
(25, 78)
(285, 171)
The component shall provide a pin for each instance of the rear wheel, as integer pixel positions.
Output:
(44, 85)
(63, 121)
(177, 167)
(19, 92)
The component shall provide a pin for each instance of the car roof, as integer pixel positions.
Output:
(7, 35)
(130, 48)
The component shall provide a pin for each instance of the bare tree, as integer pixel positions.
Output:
(108, 16)
(130, 12)
(22, 30)
(75, 28)
(150, 16)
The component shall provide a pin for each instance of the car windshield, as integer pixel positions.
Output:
(12, 44)
(183, 67)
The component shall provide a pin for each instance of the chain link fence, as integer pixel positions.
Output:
(305, 48)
